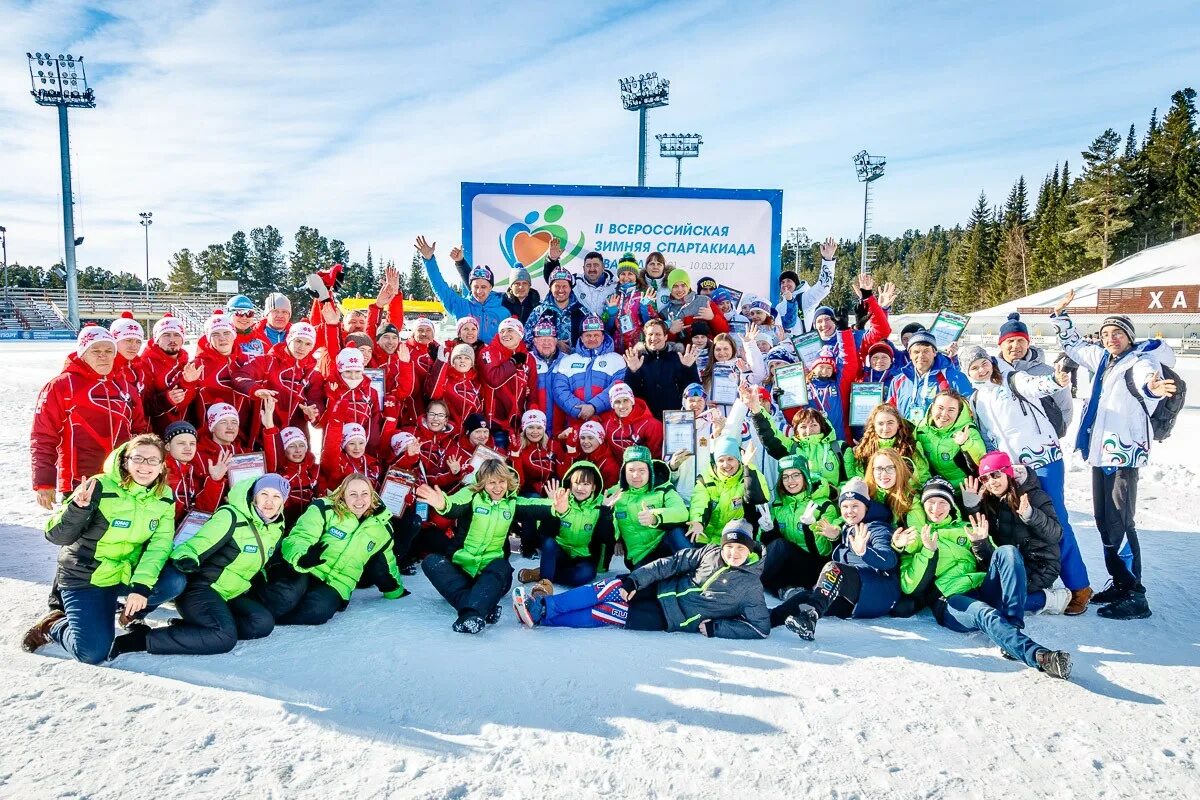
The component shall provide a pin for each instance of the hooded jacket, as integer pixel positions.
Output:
(585, 377)
(302, 476)
(509, 384)
(586, 529)
(343, 406)
(460, 391)
(216, 384)
(823, 451)
(876, 567)
(543, 396)
(957, 566)
(1034, 363)
(122, 538)
(1016, 424)
(602, 458)
(295, 381)
(624, 318)
(482, 525)
(1037, 538)
(658, 496)
(719, 499)
(164, 372)
(349, 542)
(685, 311)
(787, 509)
(192, 486)
(695, 585)
(233, 546)
(568, 322)
(638, 427)
(592, 296)
(917, 464)
(805, 300)
(489, 313)
(946, 457)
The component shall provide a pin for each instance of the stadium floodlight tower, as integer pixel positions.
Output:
(869, 169)
(679, 146)
(60, 81)
(639, 93)
(146, 222)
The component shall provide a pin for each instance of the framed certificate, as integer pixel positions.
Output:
(735, 295)
(189, 525)
(246, 465)
(792, 383)
(739, 327)
(947, 328)
(375, 376)
(725, 381)
(483, 453)
(679, 433)
(808, 347)
(863, 399)
(397, 491)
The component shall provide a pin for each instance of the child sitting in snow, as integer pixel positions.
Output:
(583, 542)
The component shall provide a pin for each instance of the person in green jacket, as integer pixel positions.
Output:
(726, 491)
(474, 573)
(890, 483)
(812, 437)
(885, 429)
(949, 438)
(115, 534)
(583, 542)
(648, 514)
(340, 543)
(974, 585)
(222, 560)
(797, 547)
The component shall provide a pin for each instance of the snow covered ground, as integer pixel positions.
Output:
(386, 701)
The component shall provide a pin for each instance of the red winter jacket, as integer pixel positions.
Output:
(194, 489)
(208, 450)
(216, 385)
(133, 370)
(164, 372)
(510, 384)
(302, 476)
(536, 464)
(436, 448)
(460, 392)
(640, 427)
(296, 382)
(334, 470)
(602, 457)
(343, 406)
(79, 418)
(253, 342)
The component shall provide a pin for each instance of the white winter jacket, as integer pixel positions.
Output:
(1018, 425)
(809, 299)
(1115, 429)
(594, 298)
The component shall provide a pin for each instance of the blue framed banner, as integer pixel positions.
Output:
(731, 235)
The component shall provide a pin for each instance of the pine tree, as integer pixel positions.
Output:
(1173, 163)
(213, 265)
(184, 275)
(266, 271)
(417, 286)
(237, 263)
(971, 259)
(310, 254)
(1102, 199)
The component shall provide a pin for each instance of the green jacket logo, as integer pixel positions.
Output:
(153, 525)
(122, 523)
(337, 533)
(370, 546)
(250, 548)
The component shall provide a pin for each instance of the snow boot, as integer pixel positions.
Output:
(493, 616)
(1110, 594)
(529, 575)
(1079, 602)
(803, 623)
(1057, 600)
(39, 634)
(1133, 606)
(792, 591)
(469, 622)
(1055, 663)
(133, 641)
(542, 588)
(530, 611)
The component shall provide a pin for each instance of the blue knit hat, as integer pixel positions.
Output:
(824, 311)
(855, 489)
(561, 274)
(482, 272)
(921, 337)
(1014, 327)
(519, 273)
(272, 481)
(727, 446)
(781, 353)
(178, 429)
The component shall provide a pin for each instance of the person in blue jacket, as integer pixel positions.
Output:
(479, 302)
(582, 379)
(927, 373)
(861, 579)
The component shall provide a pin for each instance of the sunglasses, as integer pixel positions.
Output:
(245, 314)
(993, 476)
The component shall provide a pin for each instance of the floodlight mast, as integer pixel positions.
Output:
(61, 82)
(869, 169)
(147, 221)
(679, 146)
(639, 93)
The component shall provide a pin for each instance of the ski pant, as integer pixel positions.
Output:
(671, 543)
(598, 604)
(786, 564)
(1073, 573)
(316, 602)
(838, 590)
(478, 595)
(532, 532)
(90, 626)
(559, 566)
(210, 624)
(997, 607)
(1114, 503)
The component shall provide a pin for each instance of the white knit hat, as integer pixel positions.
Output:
(126, 327)
(352, 431)
(290, 435)
(90, 335)
(221, 411)
(349, 360)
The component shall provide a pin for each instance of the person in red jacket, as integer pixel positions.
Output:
(81, 415)
(129, 336)
(630, 422)
(588, 444)
(394, 358)
(219, 361)
(220, 439)
(352, 458)
(198, 486)
(288, 374)
(350, 398)
(442, 458)
(536, 460)
(286, 453)
(165, 400)
(276, 322)
(510, 380)
(457, 385)
(406, 453)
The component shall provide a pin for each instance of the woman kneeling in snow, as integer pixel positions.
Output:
(713, 590)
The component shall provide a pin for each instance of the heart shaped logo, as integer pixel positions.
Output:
(529, 247)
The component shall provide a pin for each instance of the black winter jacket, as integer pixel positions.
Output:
(1037, 539)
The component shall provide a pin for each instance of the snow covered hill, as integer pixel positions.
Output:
(386, 701)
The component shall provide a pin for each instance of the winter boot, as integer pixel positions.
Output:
(493, 616)
(469, 622)
(1079, 602)
(1110, 594)
(542, 588)
(530, 611)
(408, 569)
(1055, 663)
(803, 623)
(1057, 600)
(133, 641)
(1133, 606)
(792, 591)
(39, 634)
(529, 575)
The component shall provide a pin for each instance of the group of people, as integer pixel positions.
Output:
(539, 426)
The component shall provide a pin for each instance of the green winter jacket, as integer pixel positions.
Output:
(824, 451)
(945, 456)
(122, 538)
(349, 542)
(913, 518)
(718, 499)
(660, 497)
(917, 464)
(955, 564)
(482, 524)
(233, 546)
(585, 525)
(787, 509)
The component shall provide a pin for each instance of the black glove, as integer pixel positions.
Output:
(627, 584)
(279, 570)
(706, 627)
(518, 358)
(313, 556)
(186, 564)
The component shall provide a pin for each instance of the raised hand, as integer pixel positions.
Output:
(751, 332)
(634, 359)
(456, 254)
(887, 295)
(829, 530)
(828, 249)
(809, 516)
(403, 353)
(330, 313)
(902, 538)
(929, 539)
(413, 448)
(1061, 376)
(1159, 387)
(431, 495)
(678, 459)
(219, 468)
(860, 538)
(310, 412)
(425, 248)
(1061, 305)
(612, 499)
(865, 282)
(554, 253)
(977, 531)
(971, 484)
(705, 312)
(695, 531)
(961, 436)
(192, 372)
(1023, 507)
(83, 495)
(689, 355)
(646, 516)
(455, 464)
(267, 412)
(677, 327)
(561, 499)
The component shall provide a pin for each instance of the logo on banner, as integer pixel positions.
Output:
(527, 245)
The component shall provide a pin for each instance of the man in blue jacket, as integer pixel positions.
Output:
(927, 373)
(479, 302)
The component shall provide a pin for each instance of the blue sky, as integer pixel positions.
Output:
(363, 118)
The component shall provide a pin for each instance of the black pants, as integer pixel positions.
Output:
(830, 598)
(1114, 503)
(315, 602)
(210, 624)
(469, 595)
(786, 564)
(645, 612)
